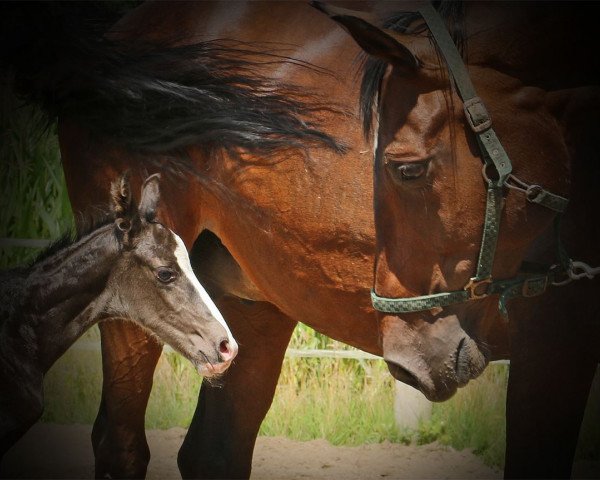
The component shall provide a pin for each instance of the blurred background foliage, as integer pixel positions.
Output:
(34, 201)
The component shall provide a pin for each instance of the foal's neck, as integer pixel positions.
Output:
(59, 298)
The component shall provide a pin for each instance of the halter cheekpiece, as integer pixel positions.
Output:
(532, 280)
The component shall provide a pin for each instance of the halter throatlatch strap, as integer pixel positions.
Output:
(494, 157)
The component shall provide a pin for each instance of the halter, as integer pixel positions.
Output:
(533, 279)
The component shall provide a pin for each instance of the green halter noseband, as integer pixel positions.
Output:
(526, 284)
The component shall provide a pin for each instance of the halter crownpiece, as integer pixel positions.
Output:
(527, 283)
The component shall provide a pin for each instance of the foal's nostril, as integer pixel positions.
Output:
(225, 351)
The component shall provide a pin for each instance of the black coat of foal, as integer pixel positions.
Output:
(130, 267)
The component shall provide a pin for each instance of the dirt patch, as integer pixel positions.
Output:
(58, 451)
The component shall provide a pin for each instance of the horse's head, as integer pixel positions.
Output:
(153, 283)
(430, 198)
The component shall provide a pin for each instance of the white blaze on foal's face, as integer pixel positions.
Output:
(183, 260)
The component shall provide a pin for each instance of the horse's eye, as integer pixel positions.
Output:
(408, 171)
(166, 275)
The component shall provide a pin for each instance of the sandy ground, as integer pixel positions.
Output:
(57, 451)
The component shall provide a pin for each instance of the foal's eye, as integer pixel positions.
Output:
(408, 171)
(166, 275)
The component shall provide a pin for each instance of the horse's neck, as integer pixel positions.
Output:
(58, 299)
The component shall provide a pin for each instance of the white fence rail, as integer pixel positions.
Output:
(91, 346)
(290, 352)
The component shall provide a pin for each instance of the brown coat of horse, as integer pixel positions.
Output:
(535, 68)
(308, 239)
(298, 234)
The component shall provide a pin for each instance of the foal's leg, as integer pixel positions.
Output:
(552, 367)
(129, 357)
(221, 438)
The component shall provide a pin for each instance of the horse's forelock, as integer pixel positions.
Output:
(374, 69)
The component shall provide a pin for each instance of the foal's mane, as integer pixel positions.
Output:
(406, 23)
(159, 97)
(71, 237)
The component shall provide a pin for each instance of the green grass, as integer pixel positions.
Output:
(174, 394)
(72, 388)
(341, 400)
(73, 385)
(347, 402)
(474, 418)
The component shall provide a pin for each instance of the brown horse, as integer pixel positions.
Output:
(289, 229)
(129, 266)
(535, 70)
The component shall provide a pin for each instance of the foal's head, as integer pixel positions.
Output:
(430, 194)
(152, 283)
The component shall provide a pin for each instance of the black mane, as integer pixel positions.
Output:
(155, 98)
(373, 70)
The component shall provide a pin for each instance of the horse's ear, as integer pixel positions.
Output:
(373, 40)
(150, 197)
(124, 208)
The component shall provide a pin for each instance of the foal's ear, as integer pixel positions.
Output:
(122, 204)
(373, 40)
(124, 208)
(150, 197)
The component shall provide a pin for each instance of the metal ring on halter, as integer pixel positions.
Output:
(556, 268)
(533, 192)
(520, 186)
(579, 270)
(472, 287)
(576, 271)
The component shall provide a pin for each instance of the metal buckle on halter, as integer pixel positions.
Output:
(534, 286)
(474, 284)
(477, 115)
(533, 192)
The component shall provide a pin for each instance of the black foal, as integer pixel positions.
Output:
(130, 267)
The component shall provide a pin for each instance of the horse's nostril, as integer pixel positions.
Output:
(403, 375)
(225, 351)
(457, 355)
